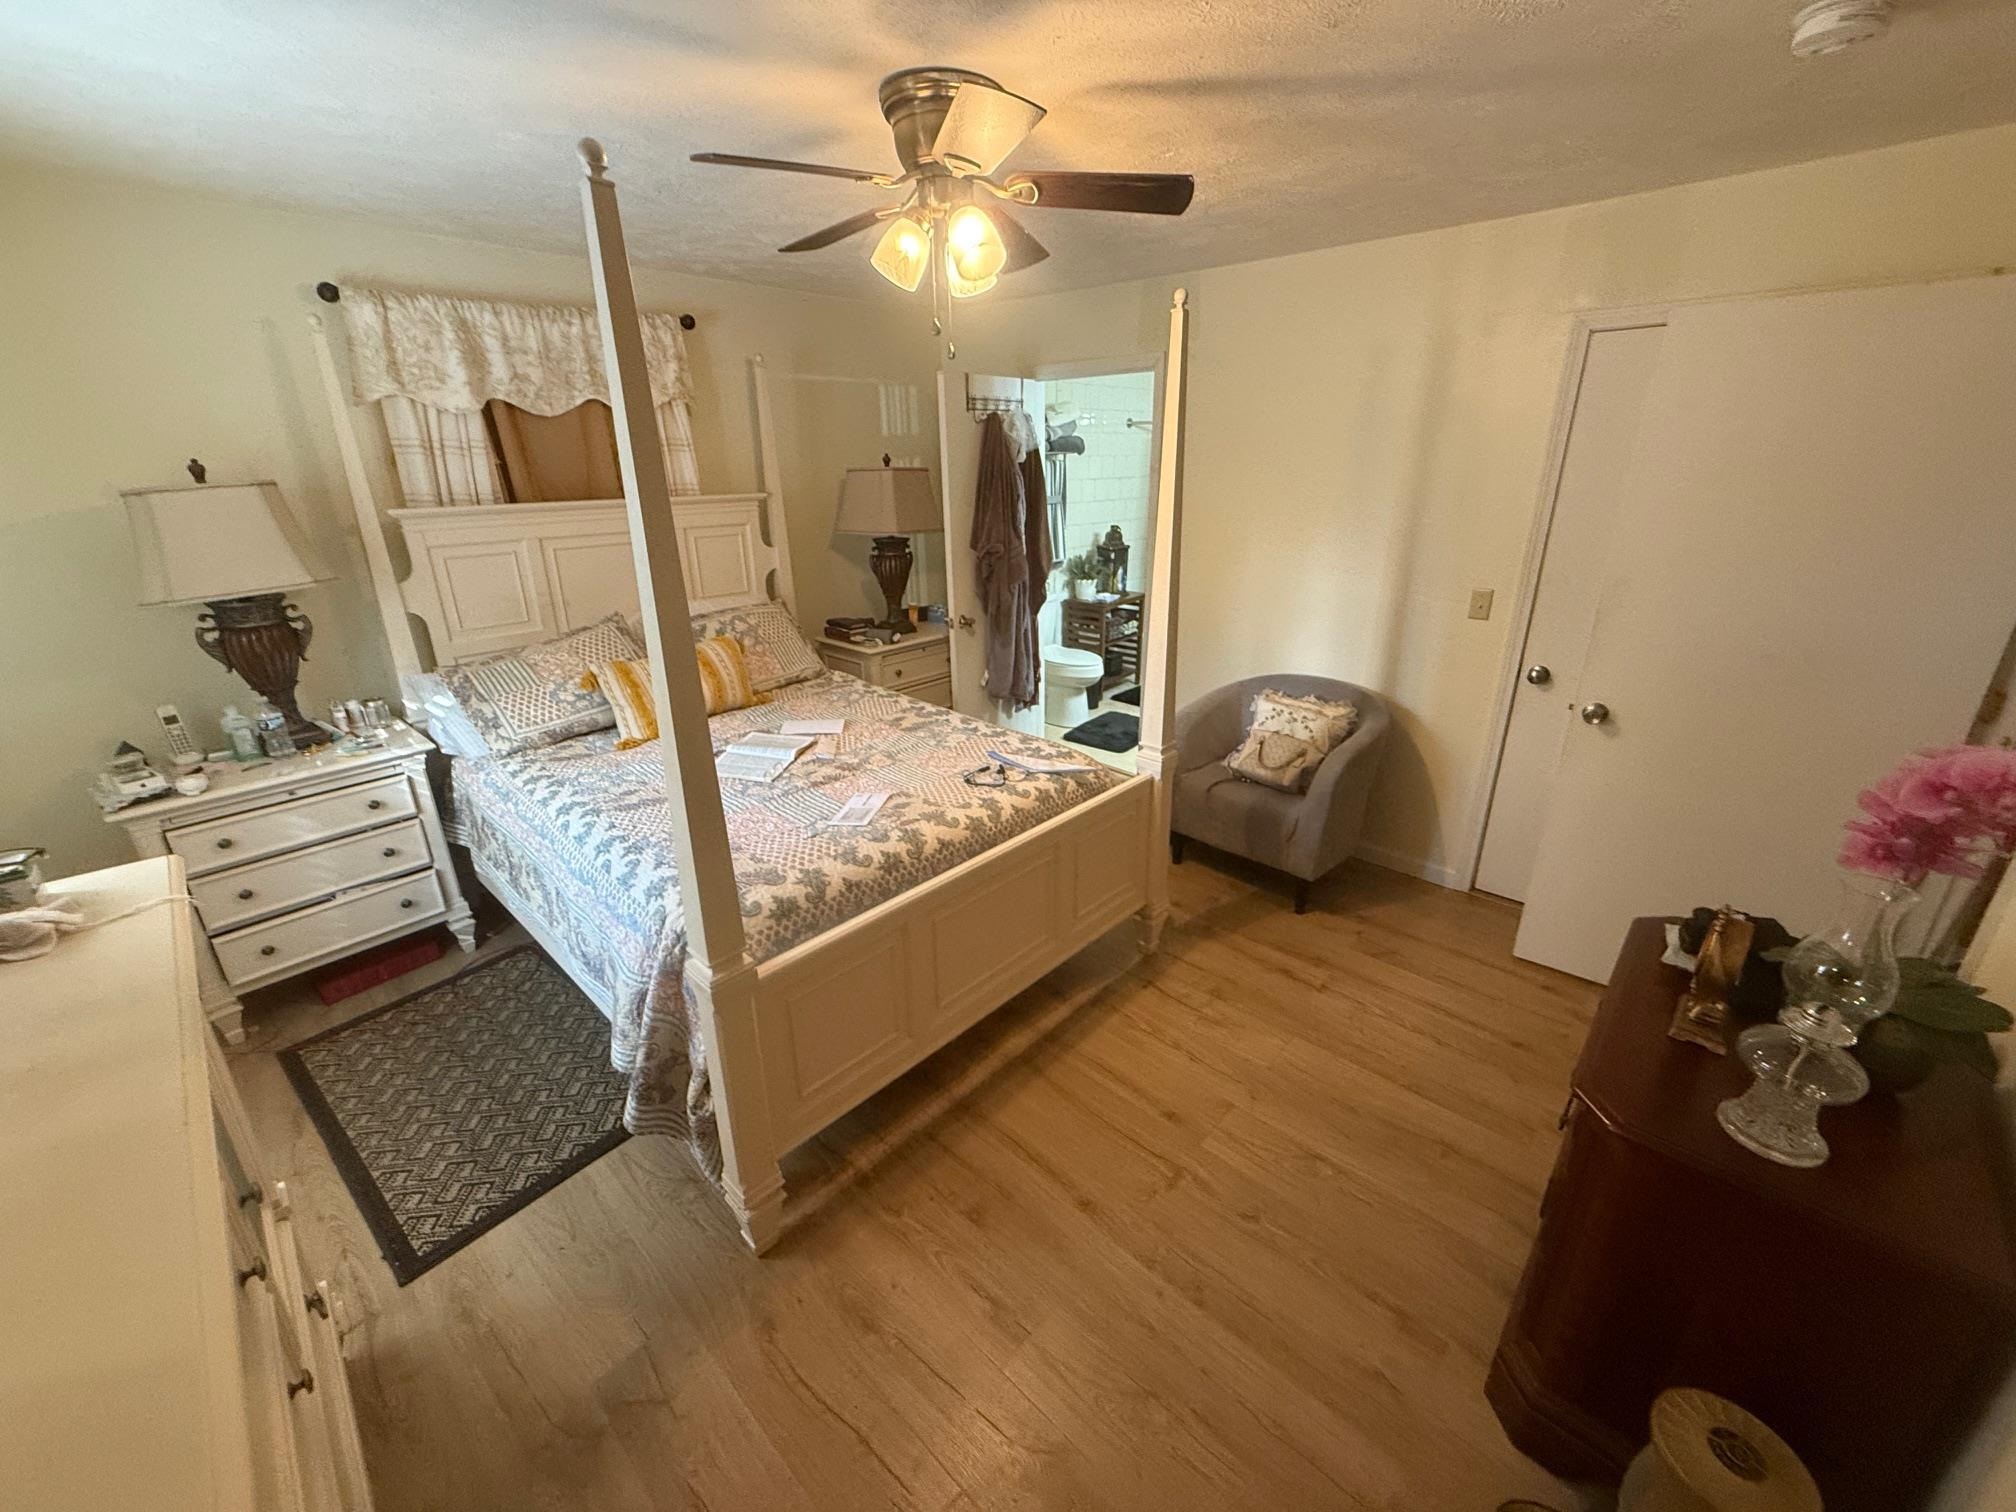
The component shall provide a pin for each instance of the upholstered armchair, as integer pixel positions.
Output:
(1303, 834)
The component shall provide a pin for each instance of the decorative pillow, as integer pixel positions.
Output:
(1276, 759)
(517, 700)
(1289, 736)
(724, 681)
(447, 726)
(1324, 722)
(776, 652)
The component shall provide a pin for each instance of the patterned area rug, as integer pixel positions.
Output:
(453, 1108)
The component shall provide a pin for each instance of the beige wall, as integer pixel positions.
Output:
(144, 326)
(1368, 425)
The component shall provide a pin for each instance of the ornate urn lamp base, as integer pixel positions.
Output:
(264, 639)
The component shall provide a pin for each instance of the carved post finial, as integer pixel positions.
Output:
(594, 157)
(1181, 299)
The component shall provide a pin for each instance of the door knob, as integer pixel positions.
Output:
(965, 622)
(1539, 676)
(1595, 713)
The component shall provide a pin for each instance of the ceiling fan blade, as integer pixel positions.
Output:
(982, 127)
(854, 225)
(1140, 193)
(1023, 249)
(785, 165)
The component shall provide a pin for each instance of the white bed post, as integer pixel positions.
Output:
(719, 973)
(1157, 755)
(363, 504)
(770, 479)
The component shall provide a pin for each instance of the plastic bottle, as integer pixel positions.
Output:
(240, 732)
(273, 736)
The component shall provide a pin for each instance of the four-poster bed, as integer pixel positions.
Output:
(794, 1025)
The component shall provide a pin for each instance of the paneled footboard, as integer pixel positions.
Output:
(843, 1015)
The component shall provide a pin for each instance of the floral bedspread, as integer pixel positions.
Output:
(578, 832)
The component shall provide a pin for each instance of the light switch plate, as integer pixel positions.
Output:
(1480, 603)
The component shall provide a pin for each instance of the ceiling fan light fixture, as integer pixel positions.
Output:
(974, 250)
(903, 253)
(961, 287)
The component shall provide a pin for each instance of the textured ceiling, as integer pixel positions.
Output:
(1307, 122)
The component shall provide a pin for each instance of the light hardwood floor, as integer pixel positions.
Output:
(1236, 1228)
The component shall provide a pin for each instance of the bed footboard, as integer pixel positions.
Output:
(841, 1016)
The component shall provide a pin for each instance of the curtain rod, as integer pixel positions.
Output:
(328, 293)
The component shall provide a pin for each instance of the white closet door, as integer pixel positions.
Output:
(1609, 402)
(1813, 573)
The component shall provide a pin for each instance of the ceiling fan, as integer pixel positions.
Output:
(953, 131)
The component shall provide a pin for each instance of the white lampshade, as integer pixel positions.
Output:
(888, 501)
(221, 541)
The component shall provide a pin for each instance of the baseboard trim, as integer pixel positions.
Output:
(1413, 866)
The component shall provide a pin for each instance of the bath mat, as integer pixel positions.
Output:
(1129, 696)
(1110, 731)
(456, 1106)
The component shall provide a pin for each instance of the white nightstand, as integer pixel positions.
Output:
(304, 861)
(920, 664)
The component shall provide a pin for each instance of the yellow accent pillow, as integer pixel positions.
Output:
(724, 682)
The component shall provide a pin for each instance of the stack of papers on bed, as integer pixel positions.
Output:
(760, 757)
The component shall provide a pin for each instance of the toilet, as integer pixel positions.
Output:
(1067, 674)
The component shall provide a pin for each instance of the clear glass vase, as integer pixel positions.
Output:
(1837, 983)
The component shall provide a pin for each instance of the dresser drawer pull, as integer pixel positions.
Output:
(315, 1304)
(256, 1271)
(225, 843)
(253, 1195)
(306, 1383)
(375, 804)
(244, 893)
(267, 949)
(389, 851)
(405, 902)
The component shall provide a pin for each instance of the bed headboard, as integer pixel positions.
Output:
(494, 577)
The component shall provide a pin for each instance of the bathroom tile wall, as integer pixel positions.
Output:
(1108, 483)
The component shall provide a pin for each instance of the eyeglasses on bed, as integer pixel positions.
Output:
(996, 774)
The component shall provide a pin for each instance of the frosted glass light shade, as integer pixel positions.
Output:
(888, 501)
(973, 246)
(903, 253)
(217, 542)
(961, 287)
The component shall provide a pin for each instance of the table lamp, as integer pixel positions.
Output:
(891, 504)
(234, 548)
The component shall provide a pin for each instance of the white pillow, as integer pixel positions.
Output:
(447, 725)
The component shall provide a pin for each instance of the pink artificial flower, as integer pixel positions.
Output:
(1940, 811)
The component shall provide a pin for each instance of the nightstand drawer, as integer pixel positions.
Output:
(937, 692)
(900, 669)
(294, 941)
(227, 899)
(219, 843)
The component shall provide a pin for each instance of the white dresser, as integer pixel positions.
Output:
(164, 1347)
(300, 862)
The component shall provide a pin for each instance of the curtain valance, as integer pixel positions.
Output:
(456, 354)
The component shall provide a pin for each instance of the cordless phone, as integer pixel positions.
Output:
(179, 744)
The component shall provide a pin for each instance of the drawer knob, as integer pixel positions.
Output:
(315, 1304)
(405, 902)
(244, 893)
(268, 949)
(256, 1271)
(390, 850)
(305, 1383)
(375, 803)
(225, 843)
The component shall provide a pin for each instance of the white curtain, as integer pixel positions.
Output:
(448, 356)
(442, 456)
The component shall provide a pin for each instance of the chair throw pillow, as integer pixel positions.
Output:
(517, 700)
(724, 682)
(1288, 737)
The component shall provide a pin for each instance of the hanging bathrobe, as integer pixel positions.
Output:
(1036, 537)
(1001, 565)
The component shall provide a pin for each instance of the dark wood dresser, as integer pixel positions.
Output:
(1866, 1310)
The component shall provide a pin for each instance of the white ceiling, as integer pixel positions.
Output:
(1306, 122)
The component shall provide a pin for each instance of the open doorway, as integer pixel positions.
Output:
(1099, 457)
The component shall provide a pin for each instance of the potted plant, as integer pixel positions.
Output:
(1936, 1017)
(1080, 570)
